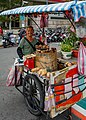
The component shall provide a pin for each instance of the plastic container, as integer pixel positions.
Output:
(29, 62)
(75, 53)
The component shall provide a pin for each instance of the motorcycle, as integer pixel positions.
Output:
(56, 35)
(8, 39)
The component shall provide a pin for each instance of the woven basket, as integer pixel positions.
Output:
(47, 60)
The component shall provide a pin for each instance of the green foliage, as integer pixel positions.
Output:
(69, 43)
(8, 4)
(4, 19)
(84, 42)
(73, 38)
(66, 47)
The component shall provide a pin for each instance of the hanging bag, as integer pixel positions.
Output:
(11, 76)
(82, 59)
(42, 22)
(45, 20)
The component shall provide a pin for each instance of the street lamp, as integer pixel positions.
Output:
(24, 2)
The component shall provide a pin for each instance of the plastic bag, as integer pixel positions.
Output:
(11, 76)
(42, 22)
(45, 21)
(82, 59)
(49, 100)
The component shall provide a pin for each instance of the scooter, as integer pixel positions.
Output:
(8, 39)
(56, 35)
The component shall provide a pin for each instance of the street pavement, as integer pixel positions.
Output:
(12, 105)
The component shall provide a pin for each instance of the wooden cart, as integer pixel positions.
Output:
(63, 88)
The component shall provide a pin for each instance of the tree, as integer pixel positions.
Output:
(12, 4)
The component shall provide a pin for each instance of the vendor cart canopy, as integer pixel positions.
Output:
(40, 8)
(79, 9)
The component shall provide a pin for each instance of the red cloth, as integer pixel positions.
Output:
(73, 99)
(1, 31)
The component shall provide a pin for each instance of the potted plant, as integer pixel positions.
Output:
(66, 50)
(74, 41)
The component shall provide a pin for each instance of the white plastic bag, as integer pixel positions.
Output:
(82, 59)
(49, 100)
(11, 76)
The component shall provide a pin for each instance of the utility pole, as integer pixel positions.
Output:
(10, 15)
(21, 2)
(23, 19)
(9, 4)
(46, 2)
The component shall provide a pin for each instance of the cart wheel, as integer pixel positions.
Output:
(69, 117)
(33, 94)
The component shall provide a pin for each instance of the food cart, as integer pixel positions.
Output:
(46, 88)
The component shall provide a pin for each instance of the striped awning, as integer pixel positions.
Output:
(79, 9)
(40, 8)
